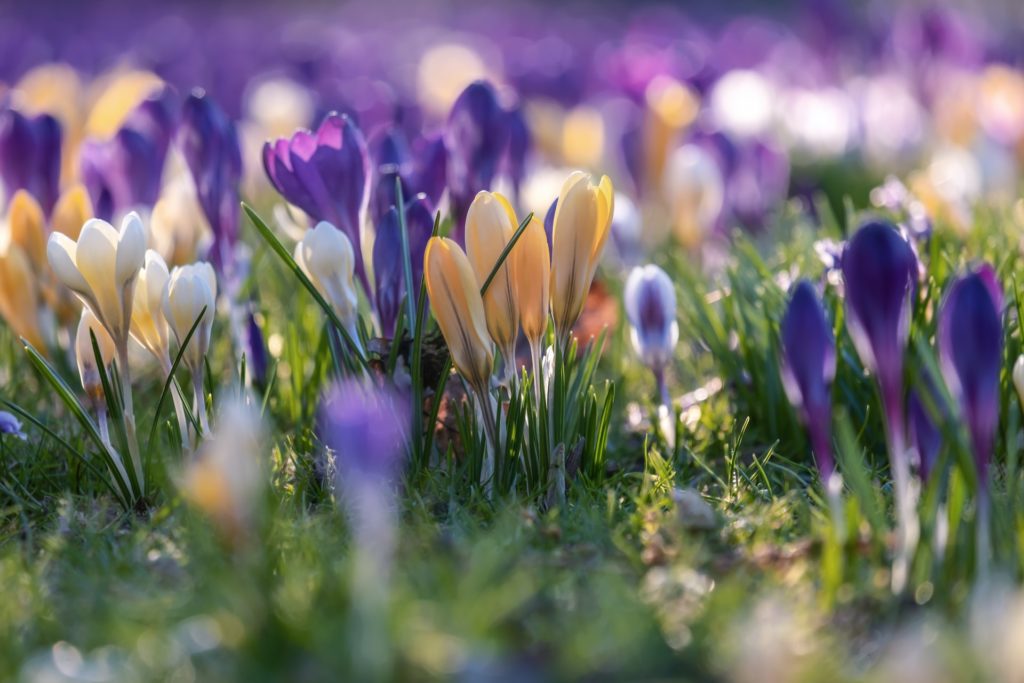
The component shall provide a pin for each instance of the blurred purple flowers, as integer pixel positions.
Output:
(476, 138)
(209, 143)
(808, 368)
(125, 172)
(327, 175)
(30, 156)
(970, 338)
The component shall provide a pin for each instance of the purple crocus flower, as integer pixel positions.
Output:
(879, 272)
(388, 259)
(475, 138)
(326, 174)
(9, 424)
(650, 302)
(255, 348)
(517, 148)
(209, 143)
(549, 222)
(970, 340)
(758, 184)
(808, 367)
(30, 154)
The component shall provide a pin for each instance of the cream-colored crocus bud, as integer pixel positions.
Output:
(326, 256)
(189, 291)
(582, 221)
(149, 326)
(27, 224)
(490, 224)
(1018, 379)
(459, 310)
(694, 191)
(101, 267)
(85, 355)
(19, 300)
(532, 266)
(178, 226)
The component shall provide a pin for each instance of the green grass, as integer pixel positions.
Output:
(614, 585)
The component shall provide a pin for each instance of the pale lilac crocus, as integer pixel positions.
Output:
(650, 302)
(10, 425)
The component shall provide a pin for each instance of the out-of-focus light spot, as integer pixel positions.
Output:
(1001, 103)
(743, 103)
(891, 119)
(675, 104)
(279, 106)
(583, 137)
(444, 72)
(541, 188)
(818, 123)
(694, 191)
(275, 344)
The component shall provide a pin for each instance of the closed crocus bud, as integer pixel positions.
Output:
(149, 326)
(694, 191)
(808, 367)
(189, 290)
(581, 225)
(11, 426)
(327, 258)
(879, 272)
(1018, 379)
(101, 267)
(30, 156)
(27, 226)
(19, 299)
(490, 225)
(532, 268)
(388, 260)
(326, 174)
(459, 310)
(85, 356)
(925, 437)
(970, 340)
(210, 146)
(475, 137)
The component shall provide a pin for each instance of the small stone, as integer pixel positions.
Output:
(694, 512)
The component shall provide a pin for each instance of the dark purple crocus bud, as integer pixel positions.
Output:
(758, 185)
(122, 173)
(326, 174)
(517, 148)
(970, 340)
(210, 146)
(475, 138)
(879, 272)
(388, 260)
(808, 367)
(156, 119)
(549, 221)
(30, 156)
(255, 348)
(925, 437)
(431, 168)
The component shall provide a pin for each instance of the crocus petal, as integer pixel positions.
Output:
(533, 278)
(60, 252)
(650, 302)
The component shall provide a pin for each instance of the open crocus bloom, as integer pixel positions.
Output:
(101, 268)
(148, 325)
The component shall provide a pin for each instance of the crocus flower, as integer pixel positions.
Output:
(30, 156)
(879, 271)
(101, 267)
(459, 310)
(532, 268)
(327, 175)
(148, 325)
(1018, 379)
(808, 367)
(388, 269)
(475, 138)
(650, 302)
(191, 292)
(328, 260)
(970, 339)
(27, 226)
(209, 142)
(581, 225)
(420, 172)
(19, 294)
(490, 224)
(693, 188)
(11, 425)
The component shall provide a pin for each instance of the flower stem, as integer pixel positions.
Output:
(179, 405)
(129, 416)
(200, 397)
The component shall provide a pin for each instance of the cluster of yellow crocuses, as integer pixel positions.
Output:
(530, 284)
